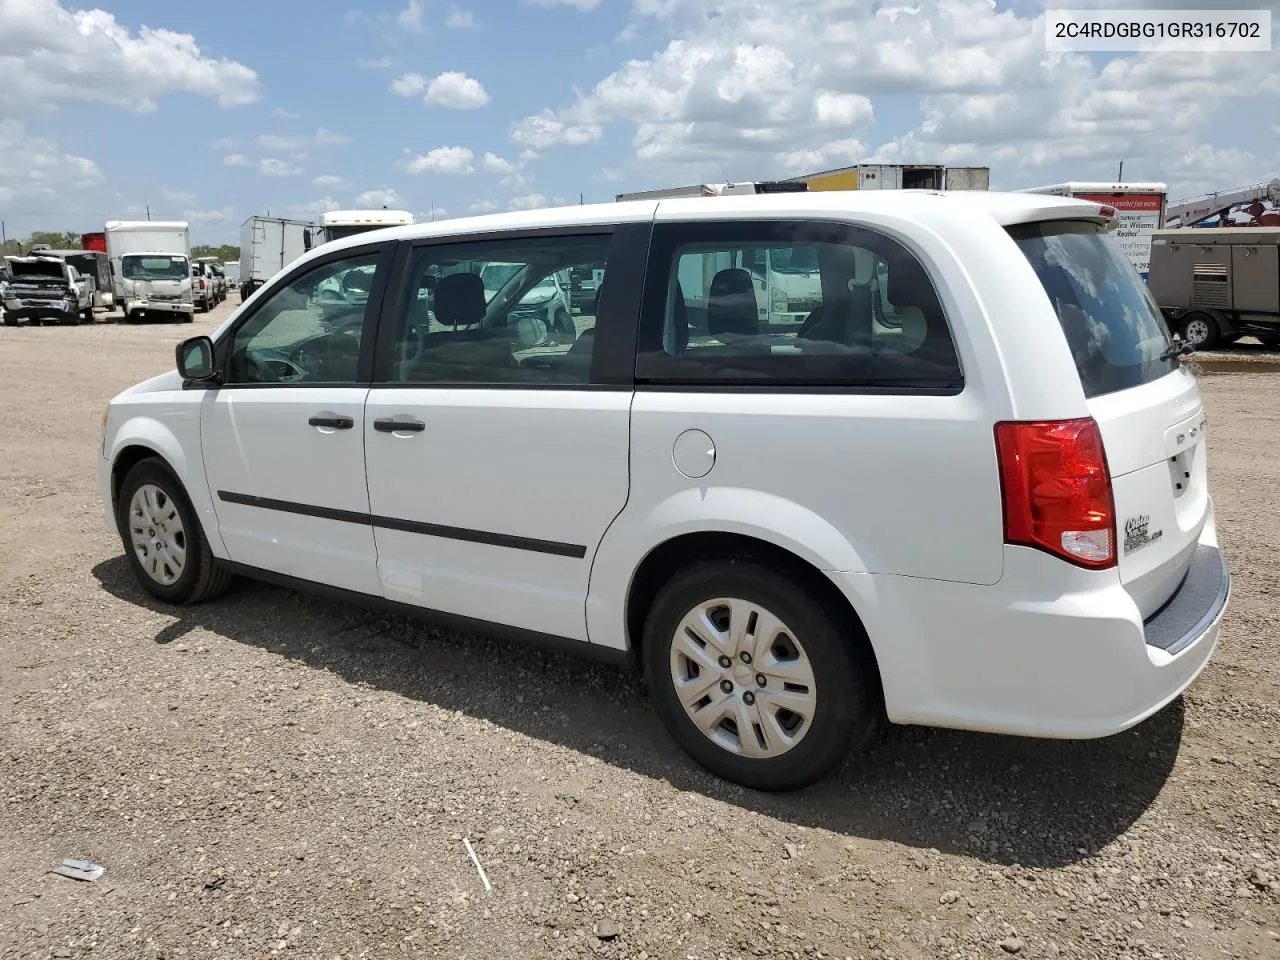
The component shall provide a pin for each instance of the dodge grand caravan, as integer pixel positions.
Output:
(966, 489)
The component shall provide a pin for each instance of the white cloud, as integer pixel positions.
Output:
(528, 154)
(409, 85)
(235, 160)
(381, 63)
(583, 5)
(272, 167)
(452, 89)
(37, 179)
(179, 196)
(460, 19)
(307, 211)
(546, 129)
(842, 109)
(530, 201)
(283, 114)
(457, 91)
(383, 197)
(496, 164)
(451, 160)
(328, 180)
(758, 89)
(482, 206)
(411, 17)
(295, 143)
(224, 215)
(50, 55)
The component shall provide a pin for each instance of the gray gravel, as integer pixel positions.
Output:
(274, 775)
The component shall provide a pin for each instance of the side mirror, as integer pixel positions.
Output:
(195, 359)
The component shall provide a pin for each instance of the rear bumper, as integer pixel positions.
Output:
(1044, 653)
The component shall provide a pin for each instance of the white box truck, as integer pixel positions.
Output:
(1139, 207)
(267, 246)
(151, 268)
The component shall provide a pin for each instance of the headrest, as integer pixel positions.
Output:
(460, 299)
(731, 304)
(909, 285)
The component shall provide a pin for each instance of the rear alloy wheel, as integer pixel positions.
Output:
(1200, 330)
(163, 542)
(755, 677)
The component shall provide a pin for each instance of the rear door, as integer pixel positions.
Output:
(1147, 407)
(496, 439)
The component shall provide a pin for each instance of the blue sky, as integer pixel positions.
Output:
(216, 112)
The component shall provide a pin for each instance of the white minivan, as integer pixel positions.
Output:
(967, 490)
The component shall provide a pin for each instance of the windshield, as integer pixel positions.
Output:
(142, 267)
(350, 230)
(795, 260)
(1114, 328)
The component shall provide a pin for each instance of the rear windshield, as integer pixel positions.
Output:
(1113, 327)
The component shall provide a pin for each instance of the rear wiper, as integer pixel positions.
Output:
(1179, 348)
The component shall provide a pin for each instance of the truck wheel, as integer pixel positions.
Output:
(88, 314)
(10, 321)
(1201, 330)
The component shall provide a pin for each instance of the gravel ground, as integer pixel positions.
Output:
(276, 775)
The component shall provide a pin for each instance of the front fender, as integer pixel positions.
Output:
(172, 433)
(749, 513)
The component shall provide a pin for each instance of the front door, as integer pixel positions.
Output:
(283, 437)
(495, 463)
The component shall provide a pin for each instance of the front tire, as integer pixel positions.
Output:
(756, 676)
(163, 541)
(1201, 330)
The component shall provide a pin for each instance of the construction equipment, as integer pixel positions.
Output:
(1186, 213)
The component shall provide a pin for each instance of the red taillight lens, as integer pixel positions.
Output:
(1057, 490)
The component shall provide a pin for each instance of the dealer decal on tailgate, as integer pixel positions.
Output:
(1137, 535)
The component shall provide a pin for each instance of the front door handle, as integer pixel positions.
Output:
(391, 425)
(333, 423)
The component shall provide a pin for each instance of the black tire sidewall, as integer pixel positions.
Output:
(154, 471)
(845, 701)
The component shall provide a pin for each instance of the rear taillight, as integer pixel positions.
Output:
(1057, 490)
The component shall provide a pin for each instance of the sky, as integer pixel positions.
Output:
(215, 112)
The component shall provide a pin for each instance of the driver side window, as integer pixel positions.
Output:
(309, 330)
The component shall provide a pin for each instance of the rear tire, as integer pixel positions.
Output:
(163, 541)
(1269, 340)
(811, 657)
(1201, 330)
(88, 314)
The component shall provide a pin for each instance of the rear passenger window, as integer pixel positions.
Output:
(791, 304)
(500, 312)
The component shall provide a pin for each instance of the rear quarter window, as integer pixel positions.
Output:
(1113, 327)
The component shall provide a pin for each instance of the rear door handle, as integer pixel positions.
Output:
(391, 425)
(333, 423)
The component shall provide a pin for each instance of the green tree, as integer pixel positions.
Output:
(226, 252)
(59, 241)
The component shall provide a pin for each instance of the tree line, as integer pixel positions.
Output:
(226, 252)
